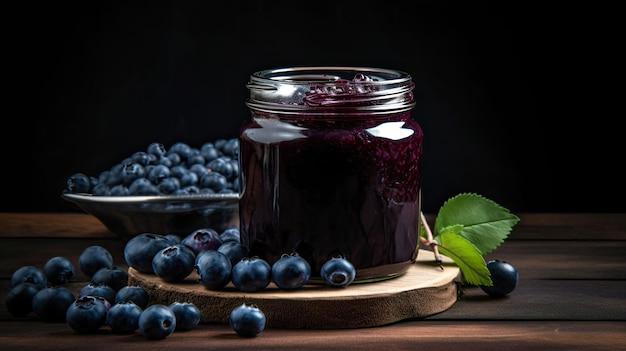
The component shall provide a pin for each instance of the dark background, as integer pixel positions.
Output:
(518, 100)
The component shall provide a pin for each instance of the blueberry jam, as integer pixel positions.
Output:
(339, 176)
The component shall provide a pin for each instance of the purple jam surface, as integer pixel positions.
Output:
(322, 188)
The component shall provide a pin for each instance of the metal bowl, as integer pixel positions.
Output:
(128, 216)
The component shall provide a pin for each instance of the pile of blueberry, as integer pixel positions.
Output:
(177, 170)
(107, 300)
(220, 258)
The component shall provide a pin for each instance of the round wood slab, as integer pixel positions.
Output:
(424, 290)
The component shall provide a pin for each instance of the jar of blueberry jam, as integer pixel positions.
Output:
(330, 167)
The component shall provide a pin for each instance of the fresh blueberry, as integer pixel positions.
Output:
(19, 300)
(202, 239)
(123, 317)
(213, 269)
(234, 251)
(213, 180)
(113, 277)
(140, 250)
(504, 277)
(99, 289)
(158, 173)
(51, 303)
(338, 272)
(169, 185)
(187, 315)
(231, 234)
(87, 314)
(177, 239)
(290, 271)
(142, 187)
(78, 183)
(132, 171)
(251, 274)
(174, 263)
(29, 274)
(59, 270)
(156, 149)
(181, 148)
(93, 258)
(247, 320)
(157, 322)
(134, 293)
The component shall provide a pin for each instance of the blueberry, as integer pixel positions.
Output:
(174, 263)
(50, 304)
(114, 277)
(187, 315)
(93, 258)
(251, 274)
(156, 149)
(140, 250)
(234, 251)
(247, 320)
(213, 269)
(19, 300)
(29, 274)
(87, 314)
(202, 239)
(169, 185)
(158, 173)
(182, 149)
(134, 293)
(338, 272)
(157, 322)
(231, 234)
(132, 171)
(59, 270)
(142, 187)
(504, 277)
(123, 317)
(290, 271)
(99, 289)
(213, 180)
(78, 183)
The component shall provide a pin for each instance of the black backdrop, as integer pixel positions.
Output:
(514, 99)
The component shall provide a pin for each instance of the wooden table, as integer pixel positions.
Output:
(571, 295)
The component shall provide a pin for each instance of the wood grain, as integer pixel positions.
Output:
(424, 290)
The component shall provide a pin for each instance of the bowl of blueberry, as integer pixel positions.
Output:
(163, 190)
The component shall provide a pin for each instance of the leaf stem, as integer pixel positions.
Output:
(430, 241)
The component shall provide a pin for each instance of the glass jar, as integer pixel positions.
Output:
(330, 167)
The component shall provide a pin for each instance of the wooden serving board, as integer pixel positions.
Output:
(425, 289)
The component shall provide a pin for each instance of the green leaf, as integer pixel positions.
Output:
(485, 223)
(467, 256)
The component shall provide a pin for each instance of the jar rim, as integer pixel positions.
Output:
(320, 88)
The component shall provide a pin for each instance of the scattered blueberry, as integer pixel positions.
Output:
(290, 271)
(174, 263)
(98, 289)
(59, 270)
(19, 300)
(93, 258)
(247, 320)
(114, 277)
(213, 269)
(202, 239)
(87, 314)
(29, 274)
(338, 272)
(251, 274)
(231, 234)
(140, 250)
(123, 317)
(187, 315)
(504, 277)
(50, 304)
(157, 322)
(234, 251)
(134, 293)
